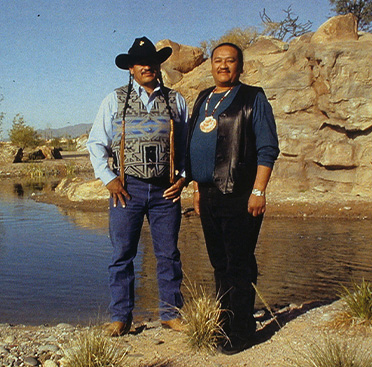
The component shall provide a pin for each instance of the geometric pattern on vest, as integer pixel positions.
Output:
(146, 135)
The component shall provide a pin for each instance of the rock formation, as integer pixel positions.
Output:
(77, 189)
(183, 59)
(320, 88)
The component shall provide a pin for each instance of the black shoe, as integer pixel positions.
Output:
(235, 344)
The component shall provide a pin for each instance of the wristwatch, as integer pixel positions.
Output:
(257, 192)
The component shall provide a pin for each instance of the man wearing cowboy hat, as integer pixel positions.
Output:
(143, 127)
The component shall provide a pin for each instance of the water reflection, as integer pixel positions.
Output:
(302, 260)
(53, 262)
(90, 220)
(18, 189)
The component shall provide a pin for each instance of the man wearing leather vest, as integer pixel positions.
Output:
(231, 150)
(143, 127)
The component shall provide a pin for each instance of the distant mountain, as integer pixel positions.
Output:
(65, 132)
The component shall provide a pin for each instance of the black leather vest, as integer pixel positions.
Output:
(236, 157)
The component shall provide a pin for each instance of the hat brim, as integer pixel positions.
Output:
(124, 61)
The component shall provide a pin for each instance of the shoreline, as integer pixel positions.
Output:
(282, 201)
(147, 344)
(279, 206)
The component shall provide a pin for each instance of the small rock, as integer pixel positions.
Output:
(31, 361)
(48, 348)
(153, 324)
(327, 317)
(9, 339)
(3, 350)
(259, 314)
(50, 363)
(65, 326)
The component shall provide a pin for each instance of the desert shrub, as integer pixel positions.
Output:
(359, 302)
(284, 29)
(202, 316)
(240, 37)
(331, 352)
(93, 349)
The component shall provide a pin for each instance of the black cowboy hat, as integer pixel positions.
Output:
(142, 50)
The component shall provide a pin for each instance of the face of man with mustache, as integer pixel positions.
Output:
(146, 74)
(226, 68)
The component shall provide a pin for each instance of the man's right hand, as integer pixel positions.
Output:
(117, 192)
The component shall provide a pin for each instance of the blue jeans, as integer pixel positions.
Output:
(164, 218)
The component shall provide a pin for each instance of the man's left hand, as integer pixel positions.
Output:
(256, 205)
(174, 192)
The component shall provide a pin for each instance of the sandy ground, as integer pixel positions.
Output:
(289, 340)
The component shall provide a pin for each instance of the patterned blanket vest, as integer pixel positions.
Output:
(146, 135)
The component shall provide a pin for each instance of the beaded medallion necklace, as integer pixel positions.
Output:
(209, 123)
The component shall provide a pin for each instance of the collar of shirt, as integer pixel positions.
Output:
(147, 100)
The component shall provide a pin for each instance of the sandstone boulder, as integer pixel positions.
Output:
(184, 58)
(79, 190)
(7, 152)
(48, 152)
(339, 28)
(81, 143)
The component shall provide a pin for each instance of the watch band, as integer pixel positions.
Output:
(257, 192)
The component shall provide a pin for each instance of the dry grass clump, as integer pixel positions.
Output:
(330, 352)
(240, 37)
(359, 304)
(93, 349)
(202, 316)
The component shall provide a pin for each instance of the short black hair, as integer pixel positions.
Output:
(233, 45)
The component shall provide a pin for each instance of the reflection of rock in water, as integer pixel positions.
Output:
(89, 220)
(29, 186)
(18, 189)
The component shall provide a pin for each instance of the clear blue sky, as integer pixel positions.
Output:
(57, 56)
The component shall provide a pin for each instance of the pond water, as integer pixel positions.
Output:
(53, 262)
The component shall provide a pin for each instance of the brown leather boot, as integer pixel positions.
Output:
(118, 328)
(174, 324)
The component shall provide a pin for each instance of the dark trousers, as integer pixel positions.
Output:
(231, 235)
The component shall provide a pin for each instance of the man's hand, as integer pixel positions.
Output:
(174, 192)
(256, 205)
(196, 199)
(196, 202)
(117, 192)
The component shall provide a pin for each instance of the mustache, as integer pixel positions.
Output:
(148, 70)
